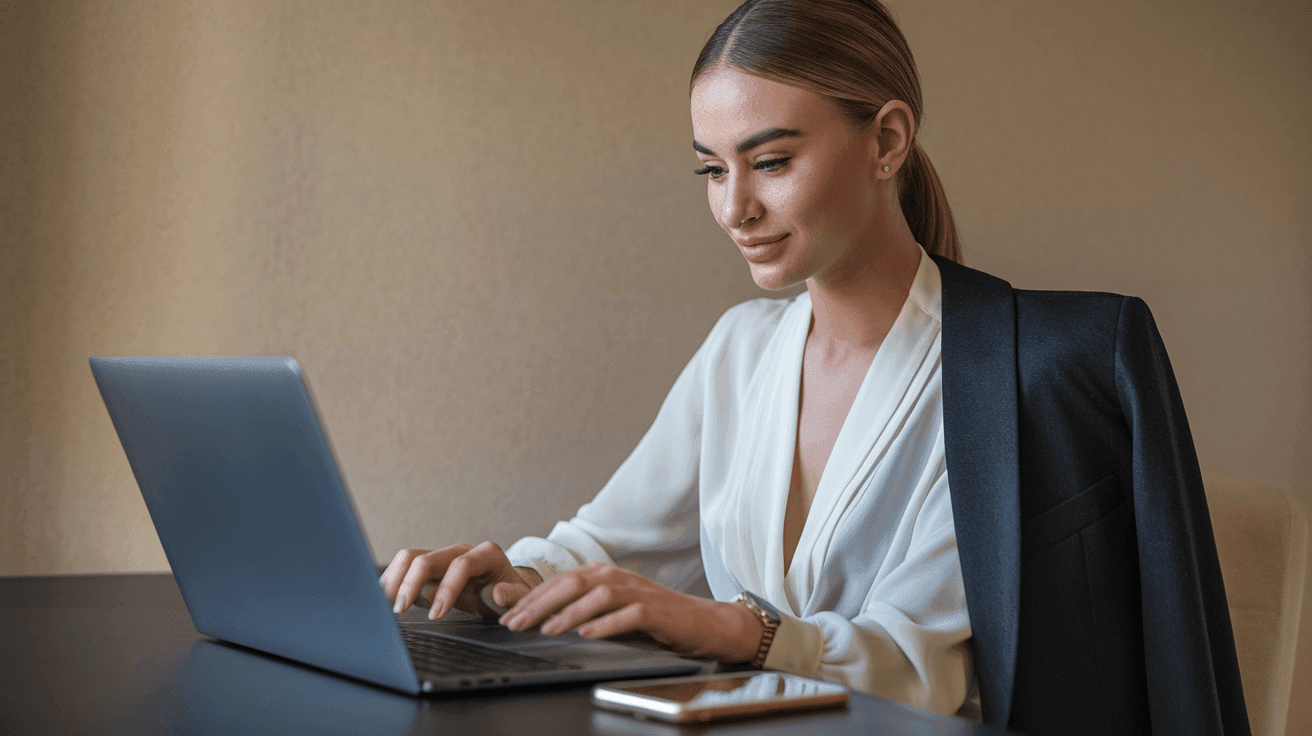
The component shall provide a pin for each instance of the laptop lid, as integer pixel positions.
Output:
(260, 532)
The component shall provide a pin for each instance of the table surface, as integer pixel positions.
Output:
(118, 654)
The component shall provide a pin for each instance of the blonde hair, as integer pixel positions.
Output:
(852, 52)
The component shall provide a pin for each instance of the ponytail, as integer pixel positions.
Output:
(925, 205)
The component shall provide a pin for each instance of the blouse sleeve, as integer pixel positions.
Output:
(645, 519)
(908, 642)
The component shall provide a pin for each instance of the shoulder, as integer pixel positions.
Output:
(1066, 347)
(759, 312)
(1059, 334)
(1053, 314)
(746, 330)
(747, 336)
(1069, 315)
(1082, 321)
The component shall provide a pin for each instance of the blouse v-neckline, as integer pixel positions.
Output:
(855, 449)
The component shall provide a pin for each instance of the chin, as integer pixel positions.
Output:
(772, 280)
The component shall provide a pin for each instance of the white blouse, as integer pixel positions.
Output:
(874, 596)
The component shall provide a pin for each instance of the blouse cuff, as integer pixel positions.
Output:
(797, 648)
(547, 558)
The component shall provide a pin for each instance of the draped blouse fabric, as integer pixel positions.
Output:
(874, 596)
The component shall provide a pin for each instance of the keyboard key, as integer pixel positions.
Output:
(441, 655)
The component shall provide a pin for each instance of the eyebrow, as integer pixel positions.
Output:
(758, 139)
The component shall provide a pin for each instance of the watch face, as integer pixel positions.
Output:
(759, 606)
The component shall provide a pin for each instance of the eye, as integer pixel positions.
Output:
(771, 164)
(715, 171)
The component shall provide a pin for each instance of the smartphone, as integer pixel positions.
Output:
(724, 695)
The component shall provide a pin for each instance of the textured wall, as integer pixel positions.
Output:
(476, 226)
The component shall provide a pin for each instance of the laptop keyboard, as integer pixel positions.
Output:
(441, 655)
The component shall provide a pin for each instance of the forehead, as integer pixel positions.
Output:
(729, 105)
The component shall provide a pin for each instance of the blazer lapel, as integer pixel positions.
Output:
(981, 442)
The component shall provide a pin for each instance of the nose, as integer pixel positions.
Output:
(741, 203)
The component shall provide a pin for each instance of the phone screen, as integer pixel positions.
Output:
(742, 688)
(714, 696)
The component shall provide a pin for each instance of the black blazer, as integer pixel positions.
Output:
(1095, 596)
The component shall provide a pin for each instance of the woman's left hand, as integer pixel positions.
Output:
(602, 600)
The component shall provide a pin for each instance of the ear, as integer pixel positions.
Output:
(896, 128)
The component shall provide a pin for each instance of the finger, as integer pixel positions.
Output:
(425, 596)
(470, 600)
(546, 600)
(389, 573)
(423, 568)
(531, 601)
(396, 570)
(632, 617)
(543, 588)
(507, 595)
(486, 597)
(412, 582)
(473, 562)
(596, 602)
(451, 587)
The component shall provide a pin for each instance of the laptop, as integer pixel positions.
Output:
(264, 542)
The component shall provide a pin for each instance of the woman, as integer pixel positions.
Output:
(797, 476)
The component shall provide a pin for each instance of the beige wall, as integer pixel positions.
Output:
(476, 226)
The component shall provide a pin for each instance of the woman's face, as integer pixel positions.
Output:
(791, 181)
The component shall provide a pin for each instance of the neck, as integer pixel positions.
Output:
(853, 307)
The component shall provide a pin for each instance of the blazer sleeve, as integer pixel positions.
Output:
(1192, 670)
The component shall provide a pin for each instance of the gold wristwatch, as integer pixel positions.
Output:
(770, 619)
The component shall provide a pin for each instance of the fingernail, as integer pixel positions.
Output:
(398, 607)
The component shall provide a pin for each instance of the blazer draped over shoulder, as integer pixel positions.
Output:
(1091, 576)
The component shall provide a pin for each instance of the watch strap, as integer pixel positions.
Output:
(770, 619)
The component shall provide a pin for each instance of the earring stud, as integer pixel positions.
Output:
(885, 168)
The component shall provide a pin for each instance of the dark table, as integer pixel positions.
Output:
(117, 654)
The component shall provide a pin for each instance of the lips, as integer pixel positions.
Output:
(760, 250)
(767, 240)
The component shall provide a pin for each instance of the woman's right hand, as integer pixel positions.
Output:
(462, 573)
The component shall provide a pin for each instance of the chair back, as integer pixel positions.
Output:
(1261, 539)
